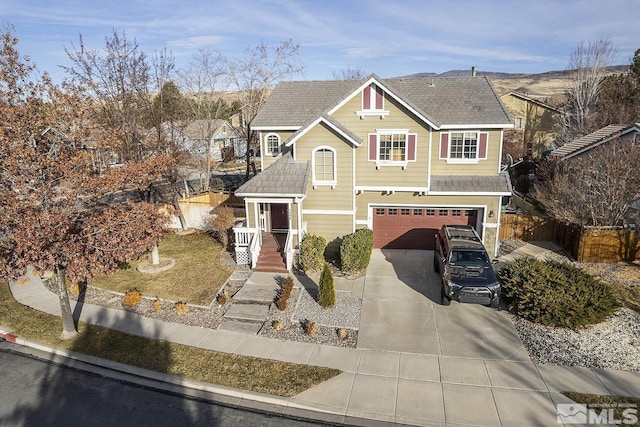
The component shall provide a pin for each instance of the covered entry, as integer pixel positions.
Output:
(415, 228)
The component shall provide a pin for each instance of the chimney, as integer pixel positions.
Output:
(473, 71)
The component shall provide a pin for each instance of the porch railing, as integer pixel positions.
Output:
(288, 250)
(247, 244)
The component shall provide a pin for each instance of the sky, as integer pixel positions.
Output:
(388, 37)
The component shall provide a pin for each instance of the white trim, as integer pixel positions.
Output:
(250, 199)
(429, 156)
(386, 163)
(462, 161)
(315, 181)
(501, 141)
(390, 188)
(362, 222)
(291, 141)
(469, 193)
(266, 144)
(490, 225)
(386, 91)
(327, 212)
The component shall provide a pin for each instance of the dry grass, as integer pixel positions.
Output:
(196, 277)
(247, 373)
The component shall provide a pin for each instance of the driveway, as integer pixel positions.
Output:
(400, 313)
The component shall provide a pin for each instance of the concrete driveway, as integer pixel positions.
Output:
(400, 313)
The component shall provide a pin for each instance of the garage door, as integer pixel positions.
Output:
(414, 228)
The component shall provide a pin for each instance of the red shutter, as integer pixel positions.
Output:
(444, 145)
(378, 98)
(411, 150)
(373, 146)
(366, 98)
(482, 149)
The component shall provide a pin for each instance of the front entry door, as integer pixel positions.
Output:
(279, 216)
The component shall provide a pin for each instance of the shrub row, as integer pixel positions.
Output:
(554, 293)
(284, 293)
(355, 251)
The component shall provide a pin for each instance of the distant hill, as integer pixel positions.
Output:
(548, 86)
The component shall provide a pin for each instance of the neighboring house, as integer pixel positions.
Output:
(581, 146)
(400, 156)
(195, 135)
(534, 121)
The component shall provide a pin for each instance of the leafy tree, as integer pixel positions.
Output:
(596, 190)
(326, 291)
(254, 75)
(57, 213)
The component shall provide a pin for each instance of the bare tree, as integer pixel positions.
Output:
(201, 79)
(596, 190)
(254, 75)
(349, 73)
(588, 65)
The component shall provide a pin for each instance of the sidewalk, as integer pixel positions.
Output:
(382, 386)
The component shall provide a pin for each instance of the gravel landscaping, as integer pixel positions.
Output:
(613, 344)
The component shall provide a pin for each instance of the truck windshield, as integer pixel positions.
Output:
(469, 258)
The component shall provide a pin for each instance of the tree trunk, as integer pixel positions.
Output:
(68, 327)
(176, 206)
(155, 258)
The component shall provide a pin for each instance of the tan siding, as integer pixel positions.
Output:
(267, 158)
(415, 175)
(331, 227)
(483, 167)
(324, 197)
(252, 221)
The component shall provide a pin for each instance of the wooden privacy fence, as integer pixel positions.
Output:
(526, 227)
(197, 209)
(593, 244)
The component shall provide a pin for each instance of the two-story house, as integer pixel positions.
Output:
(400, 156)
(534, 124)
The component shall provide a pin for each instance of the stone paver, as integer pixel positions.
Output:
(240, 326)
(255, 293)
(248, 312)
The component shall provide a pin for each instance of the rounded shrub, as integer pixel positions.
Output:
(312, 252)
(355, 250)
(554, 293)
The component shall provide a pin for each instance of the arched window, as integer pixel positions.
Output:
(272, 142)
(324, 166)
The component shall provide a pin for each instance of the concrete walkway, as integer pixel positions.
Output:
(383, 380)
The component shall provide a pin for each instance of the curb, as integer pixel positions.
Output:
(172, 384)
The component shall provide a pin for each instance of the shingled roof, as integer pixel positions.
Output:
(497, 184)
(442, 100)
(283, 178)
(580, 145)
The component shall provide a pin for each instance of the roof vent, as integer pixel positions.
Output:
(473, 71)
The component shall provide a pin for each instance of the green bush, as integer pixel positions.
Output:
(312, 252)
(355, 251)
(326, 291)
(553, 293)
(523, 184)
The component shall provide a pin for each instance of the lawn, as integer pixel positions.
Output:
(196, 277)
(247, 373)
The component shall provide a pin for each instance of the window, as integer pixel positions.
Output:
(431, 212)
(417, 212)
(392, 147)
(464, 145)
(273, 144)
(324, 166)
(443, 212)
(379, 211)
(392, 212)
(405, 212)
(456, 212)
(518, 124)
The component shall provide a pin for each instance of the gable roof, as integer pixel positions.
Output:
(199, 130)
(440, 101)
(283, 178)
(331, 123)
(532, 100)
(594, 139)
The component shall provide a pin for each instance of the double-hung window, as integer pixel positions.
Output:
(463, 146)
(272, 142)
(324, 166)
(392, 147)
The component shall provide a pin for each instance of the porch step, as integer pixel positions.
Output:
(256, 313)
(242, 327)
(255, 294)
(271, 259)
